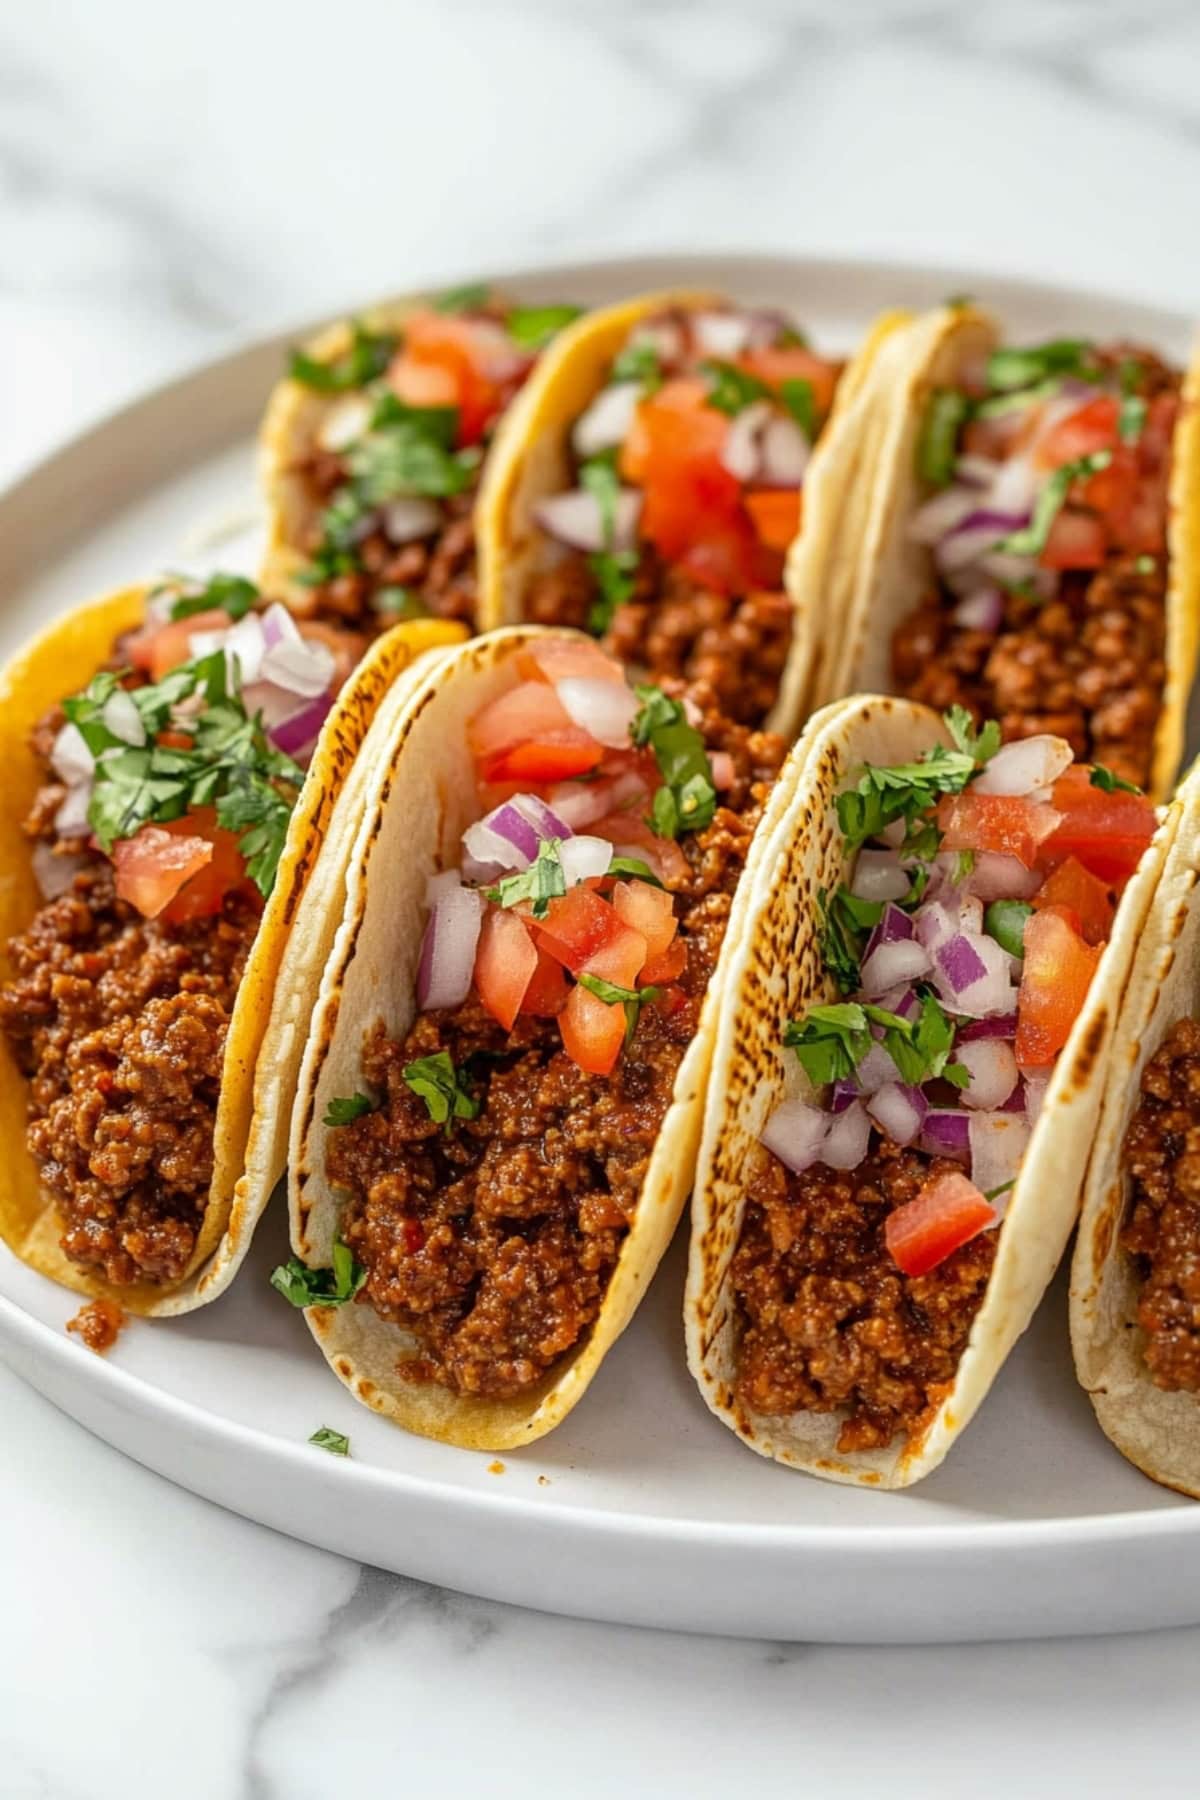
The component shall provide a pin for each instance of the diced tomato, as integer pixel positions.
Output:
(556, 659)
(582, 931)
(792, 362)
(547, 992)
(153, 866)
(175, 740)
(1077, 540)
(646, 909)
(1091, 427)
(204, 894)
(1083, 895)
(593, 1031)
(457, 348)
(999, 822)
(947, 1213)
(669, 966)
(1107, 833)
(527, 735)
(729, 557)
(662, 856)
(157, 649)
(1055, 978)
(665, 422)
(775, 515)
(505, 963)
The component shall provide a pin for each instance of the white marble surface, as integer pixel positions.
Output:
(171, 177)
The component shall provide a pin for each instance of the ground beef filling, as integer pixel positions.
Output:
(828, 1322)
(672, 628)
(119, 1023)
(1088, 665)
(495, 1245)
(437, 571)
(1162, 1229)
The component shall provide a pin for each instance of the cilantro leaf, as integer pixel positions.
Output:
(472, 296)
(1020, 368)
(436, 1081)
(344, 1111)
(1145, 565)
(369, 354)
(540, 883)
(798, 396)
(635, 868)
(691, 796)
(831, 1041)
(632, 999)
(232, 594)
(845, 922)
(598, 477)
(532, 327)
(399, 603)
(615, 572)
(732, 388)
(982, 744)
(336, 1442)
(1131, 419)
(937, 446)
(924, 1054)
(408, 456)
(1030, 540)
(1109, 783)
(638, 362)
(302, 1286)
(904, 791)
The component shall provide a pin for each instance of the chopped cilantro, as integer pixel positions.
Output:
(925, 1056)
(798, 396)
(408, 456)
(905, 791)
(937, 446)
(1109, 783)
(1005, 920)
(1003, 1188)
(687, 799)
(532, 327)
(1017, 399)
(982, 744)
(845, 921)
(1129, 374)
(616, 577)
(399, 603)
(473, 296)
(1145, 565)
(345, 1111)
(369, 354)
(732, 388)
(1020, 368)
(302, 1286)
(598, 477)
(831, 1041)
(542, 882)
(336, 1442)
(1131, 419)
(632, 999)
(1030, 540)
(440, 423)
(232, 594)
(634, 868)
(638, 362)
(435, 1080)
(964, 863)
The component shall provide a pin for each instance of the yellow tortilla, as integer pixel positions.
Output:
(774, 974)
(838, 486)
(894, 572)
(420, 800)
(262, 1050)
(1158, 1431)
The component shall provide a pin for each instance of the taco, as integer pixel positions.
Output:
(1135, 1294)
(652, 496)
(175, 820)
(1034, 549)
(376, 448)
(500, 1100)
(905, 1080)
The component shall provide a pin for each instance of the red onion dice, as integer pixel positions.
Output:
(584, 858)
(1003, 1026)
(70, 757)
(997, 1142)
(892, 965)
(606, 709)
(974, 976)
(303, 667)
(981, 611)
(785, 453)
(347, 420)
(944, 1132)
(1021, 767)
(993, 1070)
(848, 1137)
(606, 422)
(899, 1111)
(942, 515)
(795, 1133)
(123, 719)
(879, 875)
(575, 519)
(721, 334)
(71, 819)
(299, 730)
(448, 949)
(412, 517)
(742, 452)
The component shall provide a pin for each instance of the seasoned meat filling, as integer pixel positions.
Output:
(828, 1320)
(119, 1023)
(674, 629)
(495, 1243)
(1088, 663)
(1162, 1229)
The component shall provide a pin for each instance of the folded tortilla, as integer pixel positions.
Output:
(774, 975)
(265, 1037)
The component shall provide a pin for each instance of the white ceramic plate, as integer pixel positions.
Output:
(641, 1508)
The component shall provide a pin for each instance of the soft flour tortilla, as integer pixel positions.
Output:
(421, 799)
(774, 974)
(262, 1050)
(839, 486)
(893, 572)
(1156, 1430)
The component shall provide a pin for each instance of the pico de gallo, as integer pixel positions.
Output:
(980, 888)
(1047, 477)
(688, 470)
(168, 787)
(494, 1159)
(396, 459)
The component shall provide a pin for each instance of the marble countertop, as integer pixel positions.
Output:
(172, 178)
